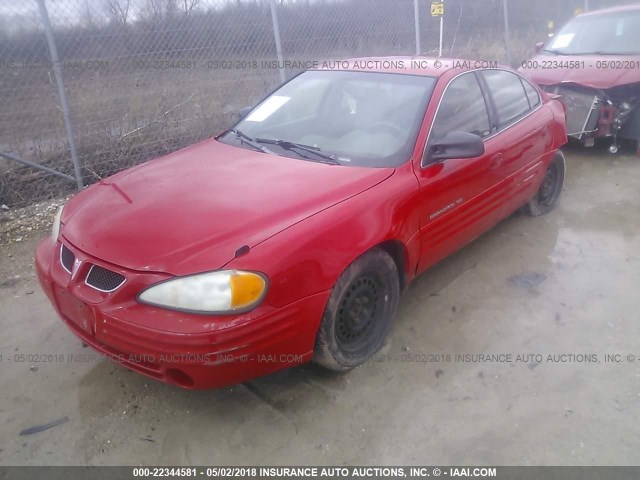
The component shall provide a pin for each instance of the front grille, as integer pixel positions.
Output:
(103, 279)
(67, 258)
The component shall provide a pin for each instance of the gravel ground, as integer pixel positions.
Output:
(22, 224)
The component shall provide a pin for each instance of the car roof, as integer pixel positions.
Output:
(620, 8)
(414, 65)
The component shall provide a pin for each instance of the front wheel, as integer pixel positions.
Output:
(359, 312)
(549, 192)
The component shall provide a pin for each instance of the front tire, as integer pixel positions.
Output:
(359, 312)
(549, 192)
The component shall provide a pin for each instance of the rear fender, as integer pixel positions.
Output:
(559, 121)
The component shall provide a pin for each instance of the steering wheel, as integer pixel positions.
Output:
(387, 127)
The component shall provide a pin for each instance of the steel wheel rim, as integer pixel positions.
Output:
(549, 189)
(359, 312)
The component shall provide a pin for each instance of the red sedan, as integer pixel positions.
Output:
(290, 237)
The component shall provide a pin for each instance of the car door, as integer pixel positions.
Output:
(455, 194)
(524, 136)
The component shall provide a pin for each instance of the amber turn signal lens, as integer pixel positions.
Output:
(246, 289)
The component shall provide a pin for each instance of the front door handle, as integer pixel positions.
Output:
(496, 161)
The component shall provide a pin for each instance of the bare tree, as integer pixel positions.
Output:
(189, 5)
(157, 11)
(170, 8)
(118, 11)
(87, 17)
(153, 11)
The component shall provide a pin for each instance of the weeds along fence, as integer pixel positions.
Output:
(90, 87)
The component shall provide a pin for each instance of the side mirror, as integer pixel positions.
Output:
(243, 112)
(455, 145)
(538, 47)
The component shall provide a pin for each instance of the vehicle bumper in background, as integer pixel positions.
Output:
(192, 351)
(592, 113)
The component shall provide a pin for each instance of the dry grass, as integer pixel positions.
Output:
(120, 120)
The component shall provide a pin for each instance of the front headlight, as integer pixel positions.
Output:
(227, 291)
(55, 229)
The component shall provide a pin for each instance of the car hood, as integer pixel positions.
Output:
(590, 75)
(192, 210)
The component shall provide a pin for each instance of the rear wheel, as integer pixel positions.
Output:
(549, 192)
(359, 312)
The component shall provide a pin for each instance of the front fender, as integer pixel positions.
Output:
(308, 257)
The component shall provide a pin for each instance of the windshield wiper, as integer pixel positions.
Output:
(247, 140)
(287, 145)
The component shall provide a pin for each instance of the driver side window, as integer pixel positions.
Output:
(462, 109)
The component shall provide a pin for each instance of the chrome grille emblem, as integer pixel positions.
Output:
(75, 268)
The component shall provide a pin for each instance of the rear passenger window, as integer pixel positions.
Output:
(508, 94)
(532, 94)
(462, 109)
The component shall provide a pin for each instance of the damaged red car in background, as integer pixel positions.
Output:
(593, 65)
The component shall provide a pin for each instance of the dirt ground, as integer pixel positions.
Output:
(564, 287)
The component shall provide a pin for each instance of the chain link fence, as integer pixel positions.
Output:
(90, 87)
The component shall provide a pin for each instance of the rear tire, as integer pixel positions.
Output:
(359, 312)
(549, 192)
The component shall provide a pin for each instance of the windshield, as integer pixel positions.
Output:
(354, 118)
(606, 34)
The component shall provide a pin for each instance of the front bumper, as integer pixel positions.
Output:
(192, 351)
